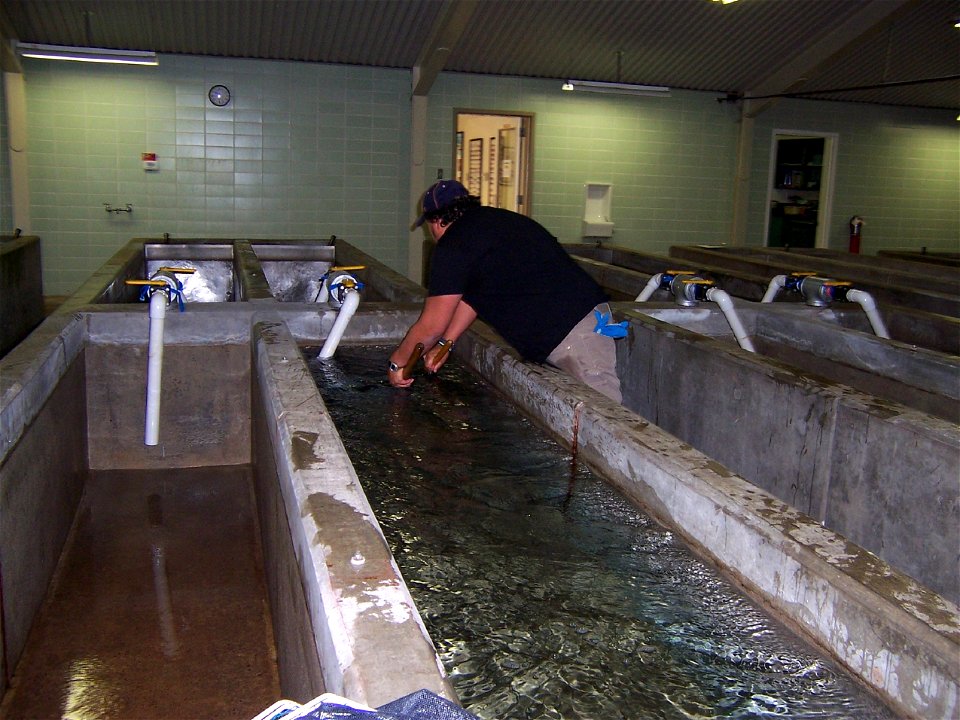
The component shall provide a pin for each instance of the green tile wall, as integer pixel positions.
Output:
(307, 150)
(302, 151)
(898, 168)
(670, 160)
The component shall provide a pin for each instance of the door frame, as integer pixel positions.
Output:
(525, 122)
(827, 176)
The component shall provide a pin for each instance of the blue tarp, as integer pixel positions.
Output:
(421, 705)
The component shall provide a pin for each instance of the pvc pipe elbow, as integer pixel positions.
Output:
(869, 305)
(721, 298)
(650, 288)
(776, 282)
(863, 299)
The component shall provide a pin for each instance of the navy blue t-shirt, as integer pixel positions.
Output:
(517, 277)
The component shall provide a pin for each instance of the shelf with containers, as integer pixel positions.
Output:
(796, 193)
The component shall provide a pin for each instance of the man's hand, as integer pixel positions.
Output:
(396, 378)
(437, 355)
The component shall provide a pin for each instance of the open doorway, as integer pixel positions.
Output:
(492, 157)
(800, 189)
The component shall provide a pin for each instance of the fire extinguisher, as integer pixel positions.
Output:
(856, 225)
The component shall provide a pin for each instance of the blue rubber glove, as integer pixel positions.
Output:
(616, 330)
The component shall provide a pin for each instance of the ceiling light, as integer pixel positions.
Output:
(615, 88)
(85, 54)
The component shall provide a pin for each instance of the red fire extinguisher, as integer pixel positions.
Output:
(856, 225)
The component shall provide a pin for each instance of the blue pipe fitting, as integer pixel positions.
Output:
(172, 292)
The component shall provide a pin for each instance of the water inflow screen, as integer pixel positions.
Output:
(546, 593)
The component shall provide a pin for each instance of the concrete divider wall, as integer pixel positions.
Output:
(762, 421)
(250, 281)
(894, 481)
(42, 472)
(818, 341)
(372, 644)
(875, 471)
(106, 283)
(815, 340)
(298, 660)
(205, 388)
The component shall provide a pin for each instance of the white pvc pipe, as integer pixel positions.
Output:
(347, 309)
(865, 300)
(722, 299)
(777, 282)
(158, 311)
(650, 288)
(324, 294)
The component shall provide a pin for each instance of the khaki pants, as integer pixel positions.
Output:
(589, 357)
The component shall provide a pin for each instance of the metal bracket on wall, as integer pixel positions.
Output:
(110, 209)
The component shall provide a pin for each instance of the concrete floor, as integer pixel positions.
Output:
(161, 581)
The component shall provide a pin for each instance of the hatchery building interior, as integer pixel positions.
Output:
(226, 224)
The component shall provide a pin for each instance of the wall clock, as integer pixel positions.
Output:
(219, 95)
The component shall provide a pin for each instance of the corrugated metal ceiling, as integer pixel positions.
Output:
(751, 46)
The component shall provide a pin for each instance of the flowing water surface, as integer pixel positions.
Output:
(547, 594)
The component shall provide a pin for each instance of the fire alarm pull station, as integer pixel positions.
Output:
(149, 161)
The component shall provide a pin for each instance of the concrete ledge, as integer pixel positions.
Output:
(30, 372)
(897, 636)
(886, 287)
(624, 273)
(372, 644)
(390, 284)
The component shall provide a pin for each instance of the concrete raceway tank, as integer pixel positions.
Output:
(240, 394)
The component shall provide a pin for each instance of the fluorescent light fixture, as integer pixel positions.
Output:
(615, 88)
(85, 54)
